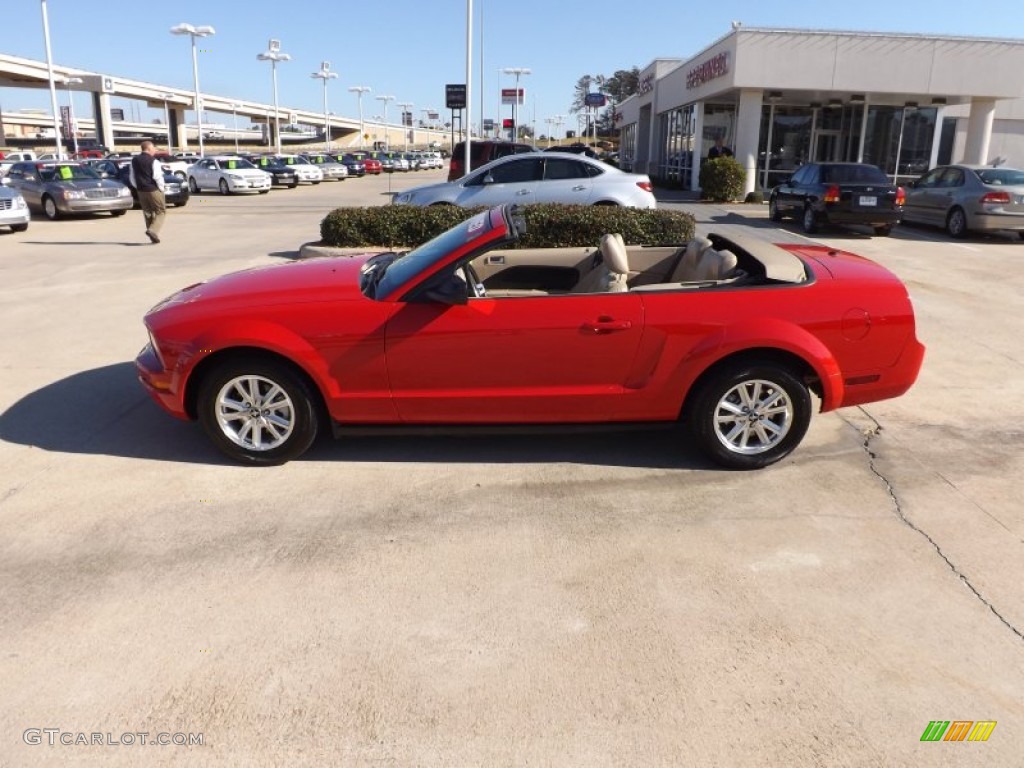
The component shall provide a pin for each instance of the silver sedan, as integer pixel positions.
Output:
(63, 188)
(964, 198)
(538, 177)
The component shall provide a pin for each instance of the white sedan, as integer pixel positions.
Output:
(227, 174)
(538, 177)
(305, 170)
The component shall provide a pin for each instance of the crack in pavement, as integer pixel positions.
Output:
(871, 434)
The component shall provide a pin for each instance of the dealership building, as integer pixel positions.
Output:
(780, 97)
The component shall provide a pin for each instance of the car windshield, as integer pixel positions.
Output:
(420, 259)
(235, 164)
(998, 177)
(319, 160)
(67, 173)
(852, 174)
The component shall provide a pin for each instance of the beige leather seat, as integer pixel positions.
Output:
(716, 265)
(686, 269)
(610, 275)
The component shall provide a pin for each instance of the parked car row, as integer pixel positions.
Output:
(958, 198)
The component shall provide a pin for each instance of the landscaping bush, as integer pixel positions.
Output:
(757, 196)
(721, 179)
(547, 225)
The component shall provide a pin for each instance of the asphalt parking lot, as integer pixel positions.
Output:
(498, 601)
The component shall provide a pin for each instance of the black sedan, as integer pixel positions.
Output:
(281, 175)
(820, 194)
(355, 167)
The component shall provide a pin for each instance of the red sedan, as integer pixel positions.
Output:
(728, 337)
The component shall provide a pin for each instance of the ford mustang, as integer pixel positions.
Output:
(726, 337)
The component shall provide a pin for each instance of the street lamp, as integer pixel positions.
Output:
(194, 32)
(167, 120)
(550, 121)
(517, 71)
(235, 106)
(406, 109)
(559, 119)
(387, 133)
(68, 82)
(325, 74)
(359, 90)
(53, 85)
(273, 55)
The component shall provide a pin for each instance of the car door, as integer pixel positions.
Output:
(924, 198)
(25, 178)
(564, 181)
(511, 181)
(544, 359)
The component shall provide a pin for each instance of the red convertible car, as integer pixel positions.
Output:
(728, 337)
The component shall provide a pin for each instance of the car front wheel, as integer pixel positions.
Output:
(773, 210)
(257, 411)
(50, 209)
(224, 188)
(749, 415)
(193, 185)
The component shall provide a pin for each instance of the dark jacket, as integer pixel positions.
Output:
(144, 168)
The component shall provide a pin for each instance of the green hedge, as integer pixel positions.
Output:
(548, 225)
(721, 179)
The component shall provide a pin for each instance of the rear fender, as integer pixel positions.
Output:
(765, 336)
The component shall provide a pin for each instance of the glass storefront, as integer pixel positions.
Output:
(676, 129)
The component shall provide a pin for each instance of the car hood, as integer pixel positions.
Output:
(329, 278)
(85, 184)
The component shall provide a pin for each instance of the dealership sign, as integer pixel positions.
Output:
(512, 95)
(714, 67)
(455, 95)
(595, 100)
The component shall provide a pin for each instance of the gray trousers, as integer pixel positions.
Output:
(153, 209)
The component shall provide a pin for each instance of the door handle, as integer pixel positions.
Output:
(578, 188)
(605, 324)
(523, 192)
(494, 260)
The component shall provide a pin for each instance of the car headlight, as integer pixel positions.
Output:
(124, 192)
(404, 199)
(73, 194)
(234, 177)
(19, 202)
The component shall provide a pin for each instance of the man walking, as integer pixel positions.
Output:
(147, 176)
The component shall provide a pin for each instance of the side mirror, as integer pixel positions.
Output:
(451, 291)
(488, 179)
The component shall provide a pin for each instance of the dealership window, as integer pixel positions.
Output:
(627, 147)
(899, 139)
(785, 142)
(676, 154)
(719, 123)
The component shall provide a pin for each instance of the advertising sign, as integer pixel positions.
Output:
(455, 95)
(595, 99)
(508, 95)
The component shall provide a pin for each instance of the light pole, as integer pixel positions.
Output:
(273, 54)
(518, 72)
(559, 119)
(53, 85)
(194, 32)
(387, 133)
(406, 110)
(235, 106)
(325, 74)
(167, 120)
(359, 90)
(68, 82)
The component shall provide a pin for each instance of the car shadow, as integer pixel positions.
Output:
(290, 255)
(105, 411)
(83, 242)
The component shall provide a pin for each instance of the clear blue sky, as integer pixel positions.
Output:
(411, 49)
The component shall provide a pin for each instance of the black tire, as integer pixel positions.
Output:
(293, 186)
(118, 213)
(193, 185)
(19, 227)
(222, 185)
(264, 191)
(315, 183)
(775, 386)
(293, 407)
(50, 209)
(956, 223)
(884, 231)
(773, 209)
(809, 220)
(1020, 235)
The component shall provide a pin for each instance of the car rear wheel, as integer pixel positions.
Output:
(257, 411)
(118, 213)
(749, 415)
(773, 209)
(956, 223)
(884, 231)
(193, 186)
(223, 187)
(19, 227)
(810, 220)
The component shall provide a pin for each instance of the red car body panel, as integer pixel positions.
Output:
(588, 357)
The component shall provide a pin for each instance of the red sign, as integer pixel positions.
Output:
(506, 123)
(714, 67)
(508, 95)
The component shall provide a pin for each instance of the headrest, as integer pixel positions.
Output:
(696, 247)
(613, 249)
(716, 265)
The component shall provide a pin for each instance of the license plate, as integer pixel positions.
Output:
(867, 200)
